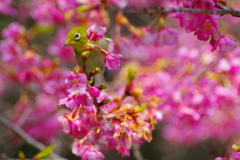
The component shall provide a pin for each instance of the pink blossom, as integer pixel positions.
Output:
(13, 31)
(85, 99)
(220, 158)
(54, 81)
(124, 151)
(76, 83)
(236, 155)
(70, 102)
(86, 152)
(66, 54)
(26, 76)
(190, 21)
(98, 17)
(6, 8)
(93, 138)
(209, 27)
(167, 36)
(92, 2)
(112, 61)
(46, 14)
(224, 43)
(74, 101)
(50, 124)
(107, 108)
(71, 126)
(65, 5)
(202, 25)
(121, 4)
(96, 32)
(10, 50)
(44, 106)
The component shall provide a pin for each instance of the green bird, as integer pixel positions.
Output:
(77, 39)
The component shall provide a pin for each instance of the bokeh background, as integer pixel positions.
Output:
(32, 83)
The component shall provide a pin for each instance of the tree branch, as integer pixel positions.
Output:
(25, 136)
(224, 10)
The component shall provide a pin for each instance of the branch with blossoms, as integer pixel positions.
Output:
(224, 10)
(97, 117)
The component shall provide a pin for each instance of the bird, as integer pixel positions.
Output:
(76, 38)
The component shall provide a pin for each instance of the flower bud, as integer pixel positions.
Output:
(105, 101)
(137, 91)
(91, 82)
(86, 53)
(102, 87)
(236, 148)
(94, 72)
(77, 70)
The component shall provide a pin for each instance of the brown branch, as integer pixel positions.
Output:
(224, 10)
(21, 133)
(234, 13)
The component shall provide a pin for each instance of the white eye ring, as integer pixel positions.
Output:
(77, 36)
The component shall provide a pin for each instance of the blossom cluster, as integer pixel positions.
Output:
(205, 26)
(102, 119)
(35, 75)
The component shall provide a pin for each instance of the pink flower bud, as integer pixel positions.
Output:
(94, 91)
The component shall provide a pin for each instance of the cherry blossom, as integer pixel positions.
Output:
(112, 61)
(96, 32)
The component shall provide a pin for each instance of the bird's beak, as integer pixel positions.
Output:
(65, 44)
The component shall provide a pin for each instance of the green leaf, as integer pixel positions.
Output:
(131, 75)
(84, 8)
(43, 29)
(46, 152)
(141, 107)
(21, 155)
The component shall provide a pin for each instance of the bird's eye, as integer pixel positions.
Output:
(77, 36)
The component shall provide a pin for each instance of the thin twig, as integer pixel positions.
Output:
(224, 10)
(136, 152)
(25, 136)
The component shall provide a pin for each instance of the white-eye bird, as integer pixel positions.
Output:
(77, 39)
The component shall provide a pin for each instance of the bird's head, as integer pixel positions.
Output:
(76, 37)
